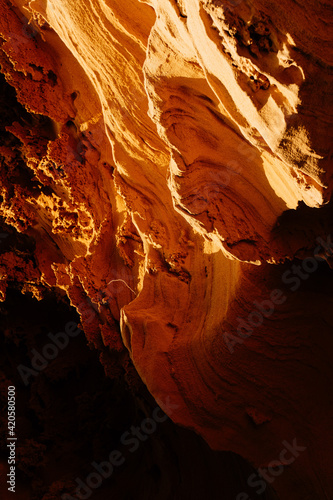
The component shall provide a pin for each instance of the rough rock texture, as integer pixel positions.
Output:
(169, 164)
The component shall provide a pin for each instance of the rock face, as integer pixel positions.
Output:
(166, 165)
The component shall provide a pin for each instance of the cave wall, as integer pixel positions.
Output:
(170, 166)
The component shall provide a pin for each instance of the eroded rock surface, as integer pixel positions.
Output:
(170, 166)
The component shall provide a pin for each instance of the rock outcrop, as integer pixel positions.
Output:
(167, 165)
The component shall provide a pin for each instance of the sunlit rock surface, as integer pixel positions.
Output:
(170, 165)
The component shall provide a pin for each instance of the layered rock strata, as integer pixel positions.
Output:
(169, 163)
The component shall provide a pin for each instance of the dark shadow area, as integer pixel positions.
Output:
(70, 417)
